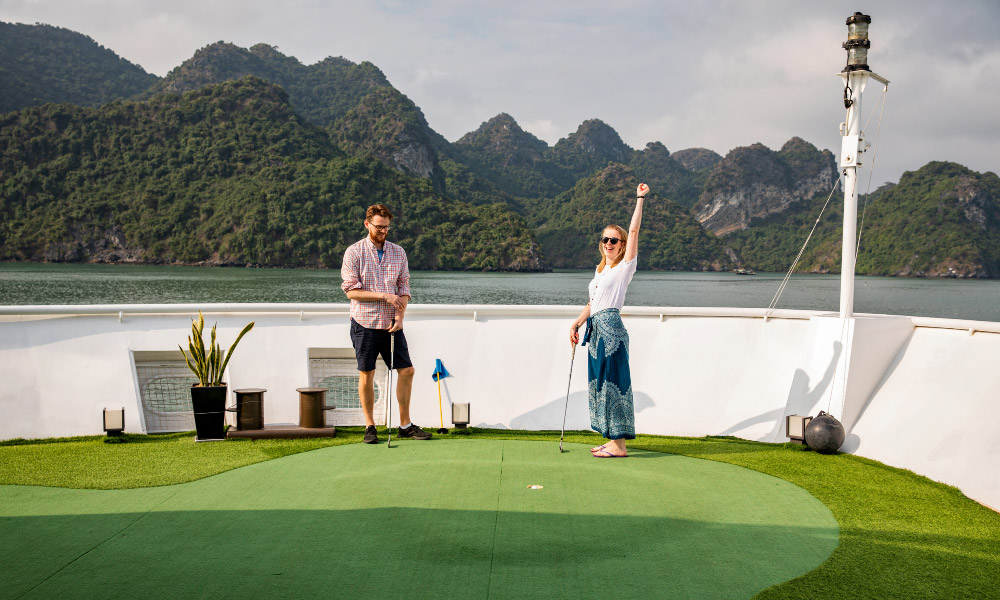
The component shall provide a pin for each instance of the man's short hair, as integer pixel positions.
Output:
(378, 209)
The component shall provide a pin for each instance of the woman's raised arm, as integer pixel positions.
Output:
(632, 247)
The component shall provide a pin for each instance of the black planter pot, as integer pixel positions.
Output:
(209, 405)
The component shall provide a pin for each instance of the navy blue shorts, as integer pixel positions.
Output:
(369, 344)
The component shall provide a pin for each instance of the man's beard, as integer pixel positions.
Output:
(376, 237)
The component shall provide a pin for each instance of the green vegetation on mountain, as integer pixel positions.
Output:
(386, 124)
(671, 238)
(771, 243)
(357, 106)
(669, 178)
(592, 146)
(226, 174)
(213, 167)
(515, 161)
(463, 183)
(42, 63)
(940, 221)
(532, 174)
(752, 182)
(321, 93)
(697, 159)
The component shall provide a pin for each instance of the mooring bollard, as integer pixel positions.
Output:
(312, 403)
(249, 408)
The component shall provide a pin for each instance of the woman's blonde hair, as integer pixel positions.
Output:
(621, 245)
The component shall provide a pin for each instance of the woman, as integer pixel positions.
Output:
(611, 411)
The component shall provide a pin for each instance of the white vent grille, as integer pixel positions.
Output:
(165, 392)
(339, 375)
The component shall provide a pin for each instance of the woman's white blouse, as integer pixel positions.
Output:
(607, 289)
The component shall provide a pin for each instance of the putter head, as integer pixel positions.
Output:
(442, 430)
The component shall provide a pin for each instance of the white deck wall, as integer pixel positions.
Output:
(922, 389)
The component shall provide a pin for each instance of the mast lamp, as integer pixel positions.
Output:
(857, 43)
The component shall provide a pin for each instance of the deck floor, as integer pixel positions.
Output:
(446, 518)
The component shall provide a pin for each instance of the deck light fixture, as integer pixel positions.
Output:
(857, 43)
(795, 428)
(114, 421)
(460, 414)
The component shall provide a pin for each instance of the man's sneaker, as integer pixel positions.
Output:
(371, 436)
(414, 433)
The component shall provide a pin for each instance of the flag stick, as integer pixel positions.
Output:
(440, 410)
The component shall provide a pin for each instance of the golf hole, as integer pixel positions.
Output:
(535, 486)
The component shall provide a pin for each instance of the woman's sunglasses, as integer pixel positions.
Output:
(607, 240)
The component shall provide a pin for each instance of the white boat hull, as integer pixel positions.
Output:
(918, 392)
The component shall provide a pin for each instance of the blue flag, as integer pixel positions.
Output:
(439, 371)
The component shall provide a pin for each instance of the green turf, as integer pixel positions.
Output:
(141, 460)
(902, 535)
(424, 514)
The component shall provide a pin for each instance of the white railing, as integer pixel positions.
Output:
(472, 310)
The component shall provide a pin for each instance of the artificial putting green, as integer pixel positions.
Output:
(452, 518)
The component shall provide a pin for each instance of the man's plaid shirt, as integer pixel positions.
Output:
(361, 270)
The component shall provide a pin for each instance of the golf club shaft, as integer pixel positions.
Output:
(388, 406)
(572, 358)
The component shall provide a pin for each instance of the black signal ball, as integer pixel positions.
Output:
(824, 434)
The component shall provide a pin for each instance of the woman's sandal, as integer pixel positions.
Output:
(598, 448)
(606, 454)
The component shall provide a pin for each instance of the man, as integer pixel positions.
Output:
(377, 281)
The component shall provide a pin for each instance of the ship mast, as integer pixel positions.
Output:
(855, 76)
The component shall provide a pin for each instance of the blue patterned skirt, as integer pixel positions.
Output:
(611, 408)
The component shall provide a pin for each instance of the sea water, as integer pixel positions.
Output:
(32, 283)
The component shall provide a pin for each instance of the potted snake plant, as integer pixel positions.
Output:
(208, 396)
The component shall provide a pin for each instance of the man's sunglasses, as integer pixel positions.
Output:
(612, 241)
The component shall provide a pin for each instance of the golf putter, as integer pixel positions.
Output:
(566, 408)
(388, 404)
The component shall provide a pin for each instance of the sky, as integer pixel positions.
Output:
(715, 74)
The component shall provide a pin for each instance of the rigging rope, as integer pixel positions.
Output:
(784, 282)
(871, 172)
(781, 288)
(881, 100)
